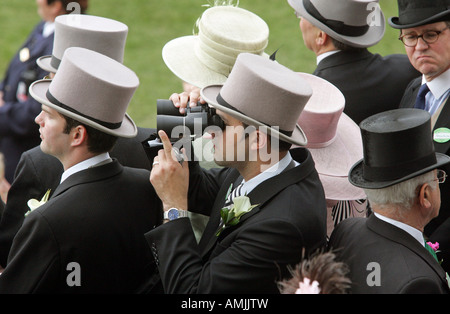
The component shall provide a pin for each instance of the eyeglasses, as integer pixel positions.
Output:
(429, 37)
(441, 176)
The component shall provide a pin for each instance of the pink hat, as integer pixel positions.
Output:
(334, 140)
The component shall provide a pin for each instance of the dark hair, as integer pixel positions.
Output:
(83, 4)
(344, 47)
(98, 141)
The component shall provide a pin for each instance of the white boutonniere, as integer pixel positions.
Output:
(34, 203)
(231, 216)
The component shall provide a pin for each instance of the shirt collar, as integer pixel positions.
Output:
(439, 85)
(85, 164)
(49, 28)
(276, 169)
(415, 233)
(324, 55)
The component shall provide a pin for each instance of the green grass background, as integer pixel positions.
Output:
(152, 23)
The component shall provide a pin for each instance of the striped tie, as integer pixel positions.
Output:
(234, 193)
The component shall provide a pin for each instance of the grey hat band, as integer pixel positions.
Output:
(55, 62)
(373, 173)
(337, 26)
(224, 103)
(108, 125)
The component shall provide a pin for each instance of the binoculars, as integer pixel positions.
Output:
(191, 124)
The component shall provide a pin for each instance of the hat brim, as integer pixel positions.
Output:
(370, 38)
(44, 63)
(38, 91)
(179, 56)
(394, 21)
(210, 93)
(334, 160)
(356, 175)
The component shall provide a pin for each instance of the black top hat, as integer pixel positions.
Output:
(413, 13)
(397, 146)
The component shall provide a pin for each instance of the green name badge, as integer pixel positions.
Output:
(441, 135)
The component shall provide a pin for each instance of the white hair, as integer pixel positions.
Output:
(403, 194)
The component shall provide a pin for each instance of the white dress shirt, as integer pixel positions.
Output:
(415, 233)
(440, 90)
(85, 164)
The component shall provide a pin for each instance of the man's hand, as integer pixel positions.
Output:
(170, 178)
(191, 96)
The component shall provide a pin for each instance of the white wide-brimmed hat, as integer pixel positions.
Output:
(99, 34)
(223, 33)
(334, 139)
(92, 89)
(358, 23)
(262, 92)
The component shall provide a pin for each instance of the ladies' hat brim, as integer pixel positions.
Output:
(334, 161)
(209, 94)
(44, 64)
(179, 56)
(38, 91)
(356, 174)
(370, 38)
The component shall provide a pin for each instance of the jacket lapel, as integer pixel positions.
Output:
(341, 58)
(263, 193)
(399, 236)
(89, 175)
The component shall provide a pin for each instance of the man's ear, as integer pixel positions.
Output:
(79, 135)
(425, 195)
(321, 38)
(259, 140)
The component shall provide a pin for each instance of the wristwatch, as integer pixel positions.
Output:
(175, 213)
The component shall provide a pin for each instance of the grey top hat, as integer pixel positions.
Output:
(358, 23)
(93, 89)
(100, 34)
(413, 13)
(262, 92)
(223, 33)
(397, 146)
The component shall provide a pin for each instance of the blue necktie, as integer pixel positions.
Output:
(420, 100)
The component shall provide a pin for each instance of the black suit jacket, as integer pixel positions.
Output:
(374, 249)
(96, 218)
(438, 230)
(251, 256)
(38, 172)
(369, 82)
(18, 131)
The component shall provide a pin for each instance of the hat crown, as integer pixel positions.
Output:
(412, 13)
(227, 31)
(397, 143)
(266, 91)
(350, 12)
(100, 34)
(319, 119)
(93, 86)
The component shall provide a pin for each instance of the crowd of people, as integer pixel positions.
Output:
(331, 182)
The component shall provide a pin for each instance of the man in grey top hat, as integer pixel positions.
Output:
(88, 236)
(37, 172)
(425, 32)
(340, 32)
(18, 132)
(265, 205)
(401, 174)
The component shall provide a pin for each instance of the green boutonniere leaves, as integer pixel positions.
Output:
(231, 216)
